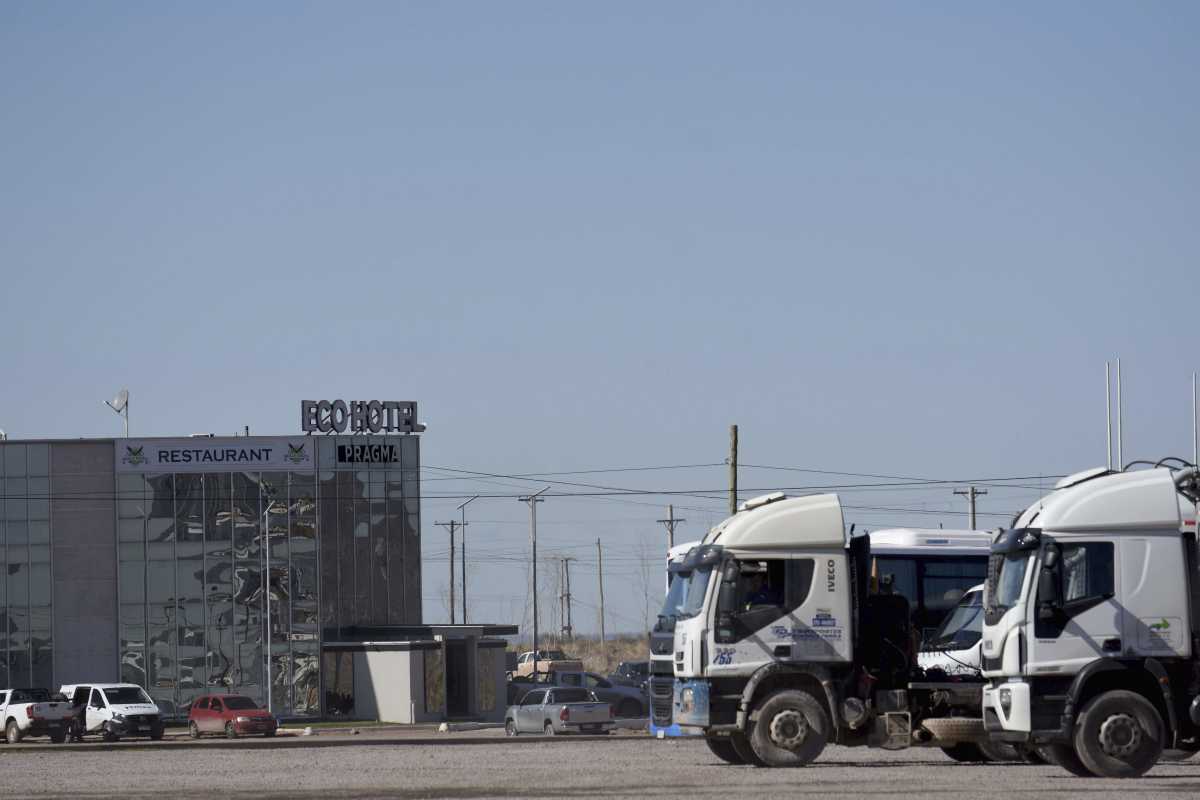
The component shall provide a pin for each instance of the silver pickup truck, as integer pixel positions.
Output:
(556, 711)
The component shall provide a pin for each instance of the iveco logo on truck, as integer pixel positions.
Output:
(830, 575)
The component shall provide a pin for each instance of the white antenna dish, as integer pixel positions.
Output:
(120, 401)
(120, 404)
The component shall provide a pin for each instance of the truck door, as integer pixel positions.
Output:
(780, 609)
(1088, 625)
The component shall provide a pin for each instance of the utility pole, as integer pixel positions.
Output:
(671, 522)
(971, 494)
(533, 500)
(450, 526)
(463, 509)
(733, 444)
(565, 598)
(600, 564)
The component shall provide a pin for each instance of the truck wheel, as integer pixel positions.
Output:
(12, 733)
(230, 731)
(193, 730)
(1063, 755)
(1119, 735)
(58, 738)
(965, 752)
(548, 728)
(724, 750)
(510, 728)
(741, 746)
(791, 730)
(108, 735)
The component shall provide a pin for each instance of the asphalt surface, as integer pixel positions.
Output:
(484, 764)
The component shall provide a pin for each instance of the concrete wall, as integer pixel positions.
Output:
(382, 685)
(84, 558)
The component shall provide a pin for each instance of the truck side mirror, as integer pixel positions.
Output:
(1049, 595)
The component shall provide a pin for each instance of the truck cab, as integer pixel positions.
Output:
(780, 647)
(661, 683)
(1092, 623)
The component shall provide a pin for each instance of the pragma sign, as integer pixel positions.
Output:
(359, 416)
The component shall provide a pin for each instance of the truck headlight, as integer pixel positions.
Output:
(243, 720)
(1006, 700)
(687, 701)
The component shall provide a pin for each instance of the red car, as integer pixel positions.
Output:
(233, 714)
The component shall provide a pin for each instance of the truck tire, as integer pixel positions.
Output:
(1119, 734)
(791, 729)
(510, 728)
(193, 730)
(965, 752)
(1063, 755)
(548, 728)
(12, 733)
(724, 750)
(58, 738)
(741, 746)
(230, 731)
(108, 735)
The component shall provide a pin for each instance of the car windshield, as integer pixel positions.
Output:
(126, 695)
(572, 696)
(236, 703)
(1007, 574)
(963, 628)
(693, 599)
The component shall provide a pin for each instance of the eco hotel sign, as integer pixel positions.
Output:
(359, 416)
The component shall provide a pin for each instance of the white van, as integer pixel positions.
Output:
(114, 710)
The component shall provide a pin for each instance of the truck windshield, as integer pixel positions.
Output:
(693, 597)
(126, 695)
(1007, 576)
(963, 628)
(676, 593)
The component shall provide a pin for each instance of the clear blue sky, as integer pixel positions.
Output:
(893, 238)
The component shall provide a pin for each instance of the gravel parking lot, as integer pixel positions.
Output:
(482, 764)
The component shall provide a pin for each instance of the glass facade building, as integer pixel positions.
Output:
(232, 560)
(26, 629)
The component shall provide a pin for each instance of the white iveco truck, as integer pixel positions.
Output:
(790, 637)
(1091, 636)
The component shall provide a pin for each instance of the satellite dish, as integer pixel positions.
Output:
(120, 401)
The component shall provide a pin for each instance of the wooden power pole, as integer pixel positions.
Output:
(600, 564)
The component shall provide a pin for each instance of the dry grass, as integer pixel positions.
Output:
(596, 657)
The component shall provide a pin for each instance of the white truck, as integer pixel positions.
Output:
(1091, 635)
(31, 712)
(661, 685)
(792, 634)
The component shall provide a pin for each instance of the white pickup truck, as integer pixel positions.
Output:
(31, 712)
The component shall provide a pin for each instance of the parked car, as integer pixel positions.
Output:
(626, 701)
(232, 714)
(558, 711)
(31, 712)
(114, 710)
(631, 673)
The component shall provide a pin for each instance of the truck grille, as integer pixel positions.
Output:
(662, 695)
